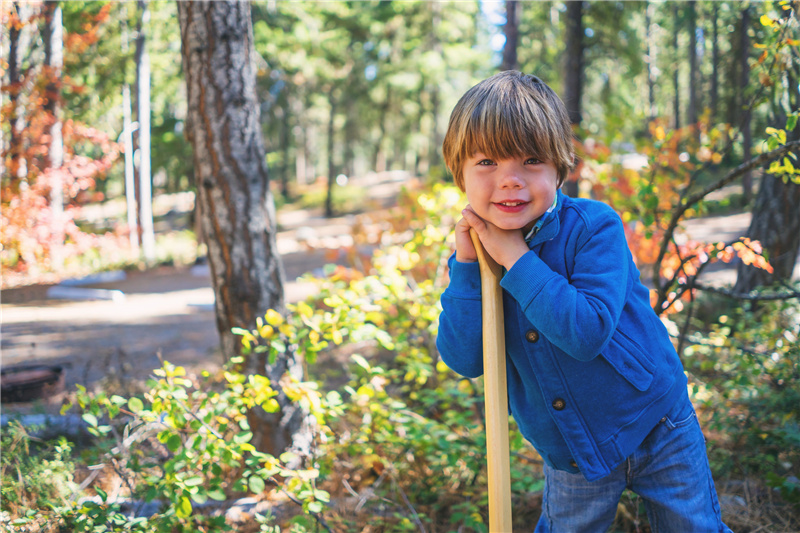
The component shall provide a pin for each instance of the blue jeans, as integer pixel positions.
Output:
(669, 471)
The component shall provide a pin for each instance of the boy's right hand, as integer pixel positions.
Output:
(465, 250)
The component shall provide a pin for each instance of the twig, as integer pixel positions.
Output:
(408, 504)
(686, 203)
(749, 296)
(317, 516)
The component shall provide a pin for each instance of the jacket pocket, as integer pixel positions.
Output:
(630, 361)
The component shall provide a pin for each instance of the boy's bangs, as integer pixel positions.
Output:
(498, 136)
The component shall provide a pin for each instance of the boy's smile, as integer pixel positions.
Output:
(510, 193)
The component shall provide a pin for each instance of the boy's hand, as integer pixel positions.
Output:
(505, 246)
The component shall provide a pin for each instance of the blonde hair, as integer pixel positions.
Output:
(510, 114)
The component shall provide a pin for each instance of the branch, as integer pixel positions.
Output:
(749, 296)
(686, 203)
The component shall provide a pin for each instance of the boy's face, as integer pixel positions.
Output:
(510, 193)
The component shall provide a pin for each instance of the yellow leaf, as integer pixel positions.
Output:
(766, 21)
(273, 318)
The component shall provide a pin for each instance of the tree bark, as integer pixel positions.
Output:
(511, 29)
(675, 78)
(776, 224)
(331, 148)
(652, 53)
(693, 105)
(744, 80)
(573, 75)
(143, 133)
(715, 63)
(53, 38)
(776, 214)
(14, 79)
(238, 213)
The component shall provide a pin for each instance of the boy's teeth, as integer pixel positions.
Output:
(510, 204)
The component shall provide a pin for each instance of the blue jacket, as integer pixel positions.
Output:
(591, 368)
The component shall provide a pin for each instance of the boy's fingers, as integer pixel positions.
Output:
(474, 220)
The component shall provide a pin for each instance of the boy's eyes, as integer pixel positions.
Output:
(529, 161)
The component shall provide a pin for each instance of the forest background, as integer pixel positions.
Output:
(681, 109)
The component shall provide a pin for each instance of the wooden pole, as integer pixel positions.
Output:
(495, 390)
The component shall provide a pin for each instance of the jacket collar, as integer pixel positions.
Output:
(551, 223)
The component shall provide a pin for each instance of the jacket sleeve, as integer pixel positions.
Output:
(579, 315)
(460, 341)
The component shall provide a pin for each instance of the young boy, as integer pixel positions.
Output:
(594, 382)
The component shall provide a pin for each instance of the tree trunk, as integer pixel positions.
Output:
(573, 75)
(238, 213)
(331, 147)
(436, 135)
(511, 29)
(715, 64)
(776, 214)
(693, 107)
(744, 73)
(675, 79)
(652, 53)
(53, 39)
(143, 114)
(776, 223)
(14, 151)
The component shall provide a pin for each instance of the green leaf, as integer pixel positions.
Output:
(174, 442)
(217, 494)
(193, 481)
(135, 405)
(243, 437)
(256, 485)
(184, 508)
(103, 495)
(90, 419)
(791, 122)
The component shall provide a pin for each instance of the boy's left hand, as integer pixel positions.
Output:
(505, 246)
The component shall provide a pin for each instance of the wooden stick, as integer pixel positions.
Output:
(495, 391)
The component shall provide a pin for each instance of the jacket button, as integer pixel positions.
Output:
(559, 404)
(532, 336)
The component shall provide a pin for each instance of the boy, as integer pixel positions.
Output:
(594, 382)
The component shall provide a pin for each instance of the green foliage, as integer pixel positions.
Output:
(34, 474)
(748, 368)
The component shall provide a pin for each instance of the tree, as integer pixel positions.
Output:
(52, 36)
(573, 73)
(238, 214)
(511, 29)
(776, 213)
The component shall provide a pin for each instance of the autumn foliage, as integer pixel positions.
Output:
(32, 231)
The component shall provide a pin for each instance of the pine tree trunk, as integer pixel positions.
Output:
(238, 213)
(776, 214)
(776, 224)
(331, 147)
(53, 39)
(675, 78)
(744, 73)
(511, 30)
(143, 114)
(715, 64)
(573, 75)
(652, 54)
(693, 105)
(14, 150)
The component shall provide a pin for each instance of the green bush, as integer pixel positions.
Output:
(748, 367)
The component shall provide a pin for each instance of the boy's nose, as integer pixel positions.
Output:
(510, 180)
